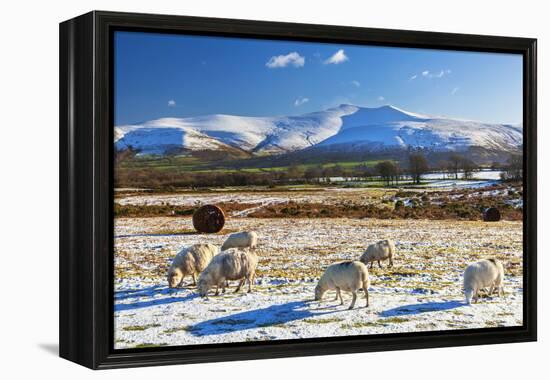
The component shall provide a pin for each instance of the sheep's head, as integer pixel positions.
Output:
(319, 293)
(364, 258)
(174, 278)
(202, 287)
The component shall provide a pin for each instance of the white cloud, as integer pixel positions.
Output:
(455, 90)
(381, 98)
(171, 103)
(301, 100)
(356, 83)
(430, 75)
(293, 59)
(337, 58)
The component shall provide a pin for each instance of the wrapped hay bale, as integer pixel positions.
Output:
(491, 214)
(209, 219)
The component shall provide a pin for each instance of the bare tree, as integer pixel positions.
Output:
(124, 155)
(294, 171)
(387, 170)
(398, 172)
(455, 162)
(313, 173)
(444, 167)
(418, 165)
(468, 167)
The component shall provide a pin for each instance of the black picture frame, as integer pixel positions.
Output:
(86, 189)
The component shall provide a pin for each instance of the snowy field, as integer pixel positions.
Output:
(422, 292)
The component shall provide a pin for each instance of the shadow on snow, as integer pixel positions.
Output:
(419, 308)
(151, 291)
(266, 317)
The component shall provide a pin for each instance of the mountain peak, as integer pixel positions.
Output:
(392, 107)
(386, 108)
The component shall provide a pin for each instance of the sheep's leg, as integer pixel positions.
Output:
(241, 283)
(379, 265)
(217, 291)
(250, 279)
(501, 291)
(474, 299)
(354, 293)
(391, 262)
(371, 264)
(194, 279)
(491, 290)
(339, 294)
(366, 290)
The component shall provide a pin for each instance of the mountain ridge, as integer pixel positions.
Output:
(343, 127)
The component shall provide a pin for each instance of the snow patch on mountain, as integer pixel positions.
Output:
(343, 127)
(161, 140)
(266, 135)
(389, 127)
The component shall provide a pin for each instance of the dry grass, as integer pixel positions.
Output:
(471, 210)
(140, 328)
(142, 211)
(431, 256)
(459, 204)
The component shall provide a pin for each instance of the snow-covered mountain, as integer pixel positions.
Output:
(343, 127)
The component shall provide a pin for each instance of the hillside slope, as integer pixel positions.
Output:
(341, 128)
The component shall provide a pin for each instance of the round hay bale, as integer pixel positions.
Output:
(491, 214)
(209, 219)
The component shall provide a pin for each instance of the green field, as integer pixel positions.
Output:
(179, 164)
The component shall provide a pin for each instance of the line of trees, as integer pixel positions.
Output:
(391, 172)
(456, 164)
(417, 166)
(513, 169)
(412, 167)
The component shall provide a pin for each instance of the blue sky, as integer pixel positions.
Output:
(160, 75)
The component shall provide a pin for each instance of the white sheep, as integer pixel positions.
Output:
(245, 239)
(348, 276)
(480, 275)
(233, 264)
(190, 261)
(384, 249)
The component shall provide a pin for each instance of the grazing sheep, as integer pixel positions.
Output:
(480, 275)
(244, 239)
(348, 276)
(384, 249)
(190, 261)
(233, 264)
